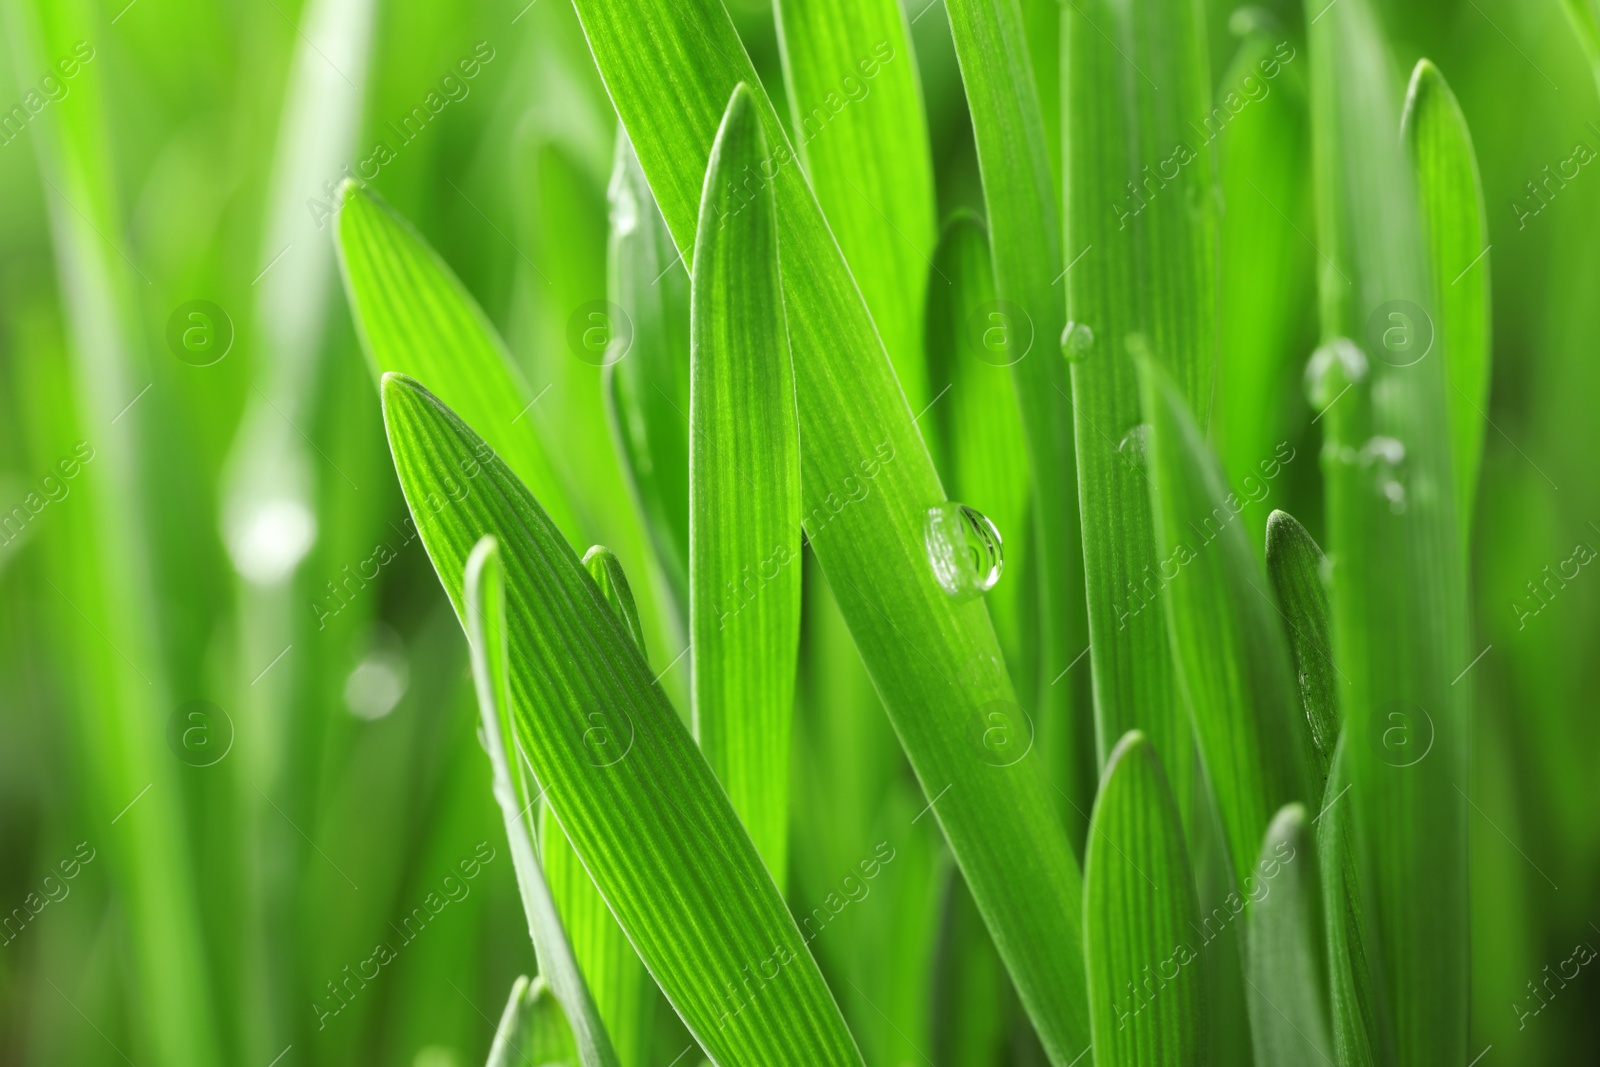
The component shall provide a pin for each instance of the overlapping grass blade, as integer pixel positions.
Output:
(1146, 984)
(631, 791)
(1294, 565)
(867, 484)
(1141, 207)
(744, 491)
(1227, 636)
(415, 317)
(647, 390)
(532, 1031)
(1456, 230)
(1398, 583)
(484, 618)
(1025, 241)
(860, 131)
(1287, 976)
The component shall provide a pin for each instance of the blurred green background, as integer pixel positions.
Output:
(237, 741)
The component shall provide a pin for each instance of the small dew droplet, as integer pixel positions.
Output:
(1135, 446)
(624, 211)
(963, 549)
(1334, 367)
(1076, 341)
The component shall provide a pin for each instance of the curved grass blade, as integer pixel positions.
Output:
(415, 317)
(1227, 635)
(744, 491)
(1585, 16)
(631, 791)
(532, 1030)
(1025, 240)
(1294, 564)
(1140, 199)
(647, 391)
(484, 617)
(622, 991)
(862, 137)
(867, 484)
(1398, 583)
(1288, 995)
(1146, 988)
(1457, 233)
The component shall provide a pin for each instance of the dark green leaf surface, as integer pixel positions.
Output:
(1140, 915)
(1457, 233)
(647, 390)
(1024, 214)
(1141, 203)
(1294, 564)
(1288, 987)
(1227, 635)
(631, 791)
(859, 127)
(867, 485)
(1398, 583)
(744, 492)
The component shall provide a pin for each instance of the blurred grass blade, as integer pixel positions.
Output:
(1457, 233)
(1288, 994)
(647, 391)
(1227, 635)
(976, 427)
(415, 317)
(484, 613)
(1265, 304)
(1294, 564)
(622, 991)
(1141, 205)
(1025, 240)
(1360, 1020)
(862, 137)
(632, 793)
(867, 484)
(1146, 985)
(744, 491)
(1398, 583)
(1585, 16)
(532, 1030)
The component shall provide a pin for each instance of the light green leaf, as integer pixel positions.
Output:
(647, 390)
(1294, 564)
(1025, 239)
(1227, 634)
(1456, 229)
(631, 791)
(867, 485)
(1585, 16)
(1288, 994)
(1141, 206)
(415, 317)
(860, 131)
(1146, 983)
(484, 618)
(1398, 583)
(744, 492)
(606, 570)
(532, 1030)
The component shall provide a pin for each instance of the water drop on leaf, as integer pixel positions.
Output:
(1135, 446)
(1076, 341)
(963, 549)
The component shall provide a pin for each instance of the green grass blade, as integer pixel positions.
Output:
(862, 137)
(1025, 240)
(606, 570)
(484, 615)
(1146, 985)
(1288, 994)
(1141, 204)
(867, 484)
(415, 317)
(1456, 227)
(1294, 564)
(647, 391)
(1227, 634)
(532, 1030)
(1398, 583)
(744, 492)
(631, 791)
(1585, 16)
(1268, 290)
